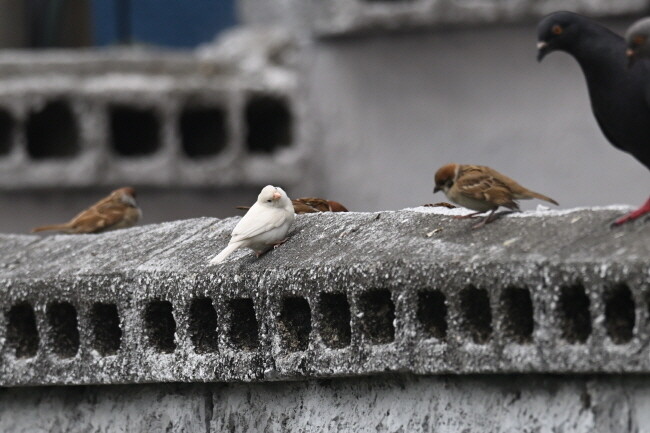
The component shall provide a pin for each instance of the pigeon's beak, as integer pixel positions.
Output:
(631, 57)
(276, 196)
(436, 189)
(542, 50)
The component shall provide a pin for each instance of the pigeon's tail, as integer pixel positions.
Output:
(60, 227)
(223, 254)
(533, 194)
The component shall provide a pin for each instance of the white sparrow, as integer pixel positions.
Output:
(312, 205)
(117, 211)
(482, 189)
(264, 226)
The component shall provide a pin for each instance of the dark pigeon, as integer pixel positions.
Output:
(637, 38)
(620, 95)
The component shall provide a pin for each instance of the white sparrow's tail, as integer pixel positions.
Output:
(224, 253)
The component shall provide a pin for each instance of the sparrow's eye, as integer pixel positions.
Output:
(639, 40)
(557, 29)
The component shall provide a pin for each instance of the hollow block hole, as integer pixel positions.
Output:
(134, 131)
(268, 123)
(378, 314)
(22, 334)
(52, 132)
(294, 325)
(575, 318)
(62, 319)
(335, 320)
(432, 314)
(620, 314)
(105, 323)
(160, 326)
(6, 132)
(203, 131)
(203, 325)
(476, 314)
(518, 322)
(243, 327)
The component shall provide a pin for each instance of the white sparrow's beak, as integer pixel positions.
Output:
(276, 196)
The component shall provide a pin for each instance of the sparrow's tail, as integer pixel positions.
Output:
(50, 227)
(533, 194)
(223, 254)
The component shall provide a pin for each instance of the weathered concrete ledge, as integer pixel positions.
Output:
(359, 293)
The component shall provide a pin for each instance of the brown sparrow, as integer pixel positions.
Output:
(312, 205)
(482, 189)
(117, 211)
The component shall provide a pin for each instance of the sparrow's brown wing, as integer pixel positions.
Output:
(483, 186)
(99, 217)
(316, 204)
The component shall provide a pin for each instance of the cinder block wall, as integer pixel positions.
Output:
(406, 293)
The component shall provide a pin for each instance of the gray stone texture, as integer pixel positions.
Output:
(357, 293)
(391, 403)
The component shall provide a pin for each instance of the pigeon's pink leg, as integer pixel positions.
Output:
(645, 209)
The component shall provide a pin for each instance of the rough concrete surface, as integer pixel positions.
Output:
(358, 293)
(391, 403)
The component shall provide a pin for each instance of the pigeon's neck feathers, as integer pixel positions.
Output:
(598, 50)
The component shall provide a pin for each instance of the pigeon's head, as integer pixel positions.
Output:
(273, 196)
(637, 38)
(445, 177)
(557, 32)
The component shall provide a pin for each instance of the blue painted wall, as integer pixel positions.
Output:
(171, 23)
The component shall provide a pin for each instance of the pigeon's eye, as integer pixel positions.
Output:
(639, 40)
(557, 29)
(269, 201)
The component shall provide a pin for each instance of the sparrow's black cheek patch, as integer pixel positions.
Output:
(63, 329)
(620, 315)
(243, 328)
(22, 334)
(7, 125)
(203, 131)
(377, 316)
(575, 317)
(203, 325)
(335, 327)
(269, 123)
(134, 131)
(294, 324)
(476, 314)
(517, 307)
(52, 132)
(432, 314)
(106, 331)
(160, 326)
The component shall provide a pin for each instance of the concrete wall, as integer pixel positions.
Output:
(394, 108)
(533, 323)
(401, 403)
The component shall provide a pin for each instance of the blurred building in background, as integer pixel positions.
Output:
(199, 104)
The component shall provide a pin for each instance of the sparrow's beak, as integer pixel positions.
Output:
(631, 57)
(542, 50)
(436, 189)
(276, 196)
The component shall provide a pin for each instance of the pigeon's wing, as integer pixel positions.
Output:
(258, 219)
(486, 187)
(98, 217)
